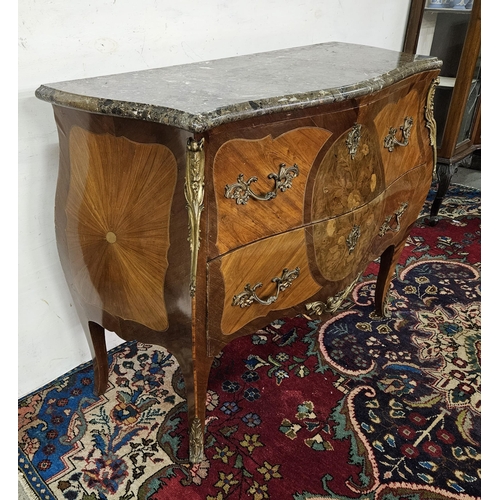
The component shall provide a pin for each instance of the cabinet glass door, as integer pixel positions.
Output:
(442, 34)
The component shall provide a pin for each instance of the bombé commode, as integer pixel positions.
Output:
(198, 203)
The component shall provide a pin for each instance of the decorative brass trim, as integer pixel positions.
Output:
(430, 121)
(242, 192)
(248, 296)
(386, 225)
(332, 303)
(352, 141)
(353, 238)
(194, 192)
(196, 440)
(390, 141)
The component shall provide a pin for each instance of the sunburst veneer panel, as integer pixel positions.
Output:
(117, 229)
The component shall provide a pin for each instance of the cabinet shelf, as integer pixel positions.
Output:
(447, 82)
(450, 10)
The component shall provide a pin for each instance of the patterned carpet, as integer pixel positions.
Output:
(344, 407)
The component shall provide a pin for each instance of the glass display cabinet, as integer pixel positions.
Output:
(451, 31)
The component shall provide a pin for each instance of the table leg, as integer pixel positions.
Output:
(97, 344)
(388, 262)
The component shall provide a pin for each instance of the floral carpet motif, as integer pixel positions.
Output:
(350, 406)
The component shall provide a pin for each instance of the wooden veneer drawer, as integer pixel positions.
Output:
(269, 185)
(260, 184)
(399, 121)
(282, 271)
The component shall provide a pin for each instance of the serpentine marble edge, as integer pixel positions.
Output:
(200, 96)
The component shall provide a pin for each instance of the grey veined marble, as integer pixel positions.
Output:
(200, 96)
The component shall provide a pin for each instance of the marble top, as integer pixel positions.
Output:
(201, 96)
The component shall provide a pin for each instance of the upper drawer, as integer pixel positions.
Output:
(401, 128)
(260, 184)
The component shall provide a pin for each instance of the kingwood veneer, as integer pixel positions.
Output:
(197, 203)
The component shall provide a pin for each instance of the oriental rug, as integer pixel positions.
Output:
(349, 406)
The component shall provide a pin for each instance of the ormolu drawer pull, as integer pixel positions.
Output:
(390, 140)
(386, 226)
(248, 296)
(241, 190)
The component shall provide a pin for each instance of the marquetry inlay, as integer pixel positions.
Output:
(111, 237)
(112, 212)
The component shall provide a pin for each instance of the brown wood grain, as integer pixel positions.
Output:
(260, 262)
(241, 224)
(117, 229)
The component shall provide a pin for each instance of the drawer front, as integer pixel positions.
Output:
(279, 264)
(399, 121)
(401, 207)
(283, 271)
(340, 245)
(260, 184)
(347, 175)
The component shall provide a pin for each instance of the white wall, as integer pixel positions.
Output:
(64, 40)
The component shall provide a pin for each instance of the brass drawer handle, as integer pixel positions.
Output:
(386, 226)
(242, 192)
(390, 141)
(248, 296)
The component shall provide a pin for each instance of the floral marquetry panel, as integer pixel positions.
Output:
(117, 229)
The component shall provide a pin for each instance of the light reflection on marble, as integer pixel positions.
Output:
(200, 96)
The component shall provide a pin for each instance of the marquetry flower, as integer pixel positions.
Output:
(269, 471)
(251, 442)
(226, 481)
(223, 454)
(259, 491)
(250, 376)
(282, 356)
(230, 386)
(251, 394)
